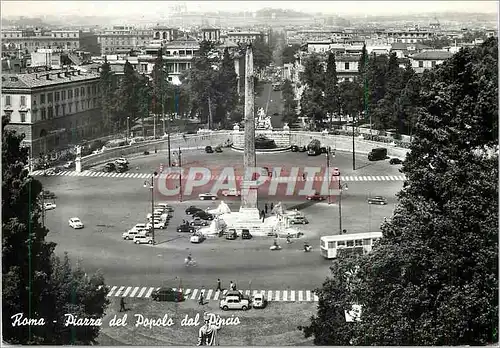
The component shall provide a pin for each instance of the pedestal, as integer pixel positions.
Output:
(78, 165)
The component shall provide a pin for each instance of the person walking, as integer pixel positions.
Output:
(272, 206)
(263, 215)
(201, 300)
(265, 208)
(232, 286)
(122, 305)
(219, 287)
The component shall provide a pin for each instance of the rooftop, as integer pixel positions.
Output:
(432, 55)
(34, 80)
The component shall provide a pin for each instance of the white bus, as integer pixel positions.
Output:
(331, 244)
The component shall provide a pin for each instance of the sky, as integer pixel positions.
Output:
(154, 8)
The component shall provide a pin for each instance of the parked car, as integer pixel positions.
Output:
(203, 215)
(231, 234)
(218, 149)
(157, 224)
(379, 200)
(186, 228)
(231, 192)
(395, 161)
(192, 209)
(130, 234)
(166, 206)
(109, 167)
(69, 164)
(49, 195)
(245, 234)
(205, 196)
(377, 154)
(294, 148)
(259, 300)
(167, 294)
(302, 149)
(315, 197)
(234, 302)
(197, 222)
(197, 238)
(75, 223)
(208, 149)
(299, 219)
(335, 171)
(143, 239)
(323, 149)
(49, 206)
(121, 168)
(122, 160)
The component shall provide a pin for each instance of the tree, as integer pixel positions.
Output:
(228, 88)
(314, 72)
(162, 89)
(312, 101)
(262, 54)
(433, 277)
(145, 97)
(107, 87)
(376, 88)
(30, 282)
(350, 98)
(289, 52)
(289, 103)
(126, 98)
(387, 115)
(331, 88)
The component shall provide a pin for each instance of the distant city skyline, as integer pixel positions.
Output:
(157, 9)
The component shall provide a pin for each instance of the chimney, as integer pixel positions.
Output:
(48, 76)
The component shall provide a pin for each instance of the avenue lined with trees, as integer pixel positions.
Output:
(433, 278)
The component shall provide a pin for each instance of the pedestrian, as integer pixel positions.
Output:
(263, 215)
(219, 288)
(265, 208)
(122, 305)
(201, 301)
(272, 206)
(304, 176)
(232, 286)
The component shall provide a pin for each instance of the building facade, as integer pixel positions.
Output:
(428, 60)
(244, 36)
(178, 56)
(54, 108)
(123, 39)
(210, 34)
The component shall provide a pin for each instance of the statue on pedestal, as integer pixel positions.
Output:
(263, 122)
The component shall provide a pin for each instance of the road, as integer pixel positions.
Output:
(271, 101)
(110, 206)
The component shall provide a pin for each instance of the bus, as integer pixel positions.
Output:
(364, 242)
(314, 148)
(277, 86)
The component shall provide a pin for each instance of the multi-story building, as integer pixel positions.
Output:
(179, 55)
(428, 60)
(244, 36)
(210, 34)
(53, 108)
(409, 36)
(30, 40)
(123, 39)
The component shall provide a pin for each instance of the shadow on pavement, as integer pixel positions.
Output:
(169, 240)
(364, 166)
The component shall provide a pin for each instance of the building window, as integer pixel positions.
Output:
(70, 106)
(94, 89)
(43, 114)
(42, 98)
(82, 91)
(77, 92)
(7, 100)
(420, 63)
(70, 94)
(346, 66)
(63, 95)
(88, 90)
(57, 110)
(76, 106)
(57, 96)
(23, 101)
(50, 112)
(88, 104)
(433, 63)
(23, 116)
(49, 98)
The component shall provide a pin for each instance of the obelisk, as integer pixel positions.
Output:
(249, 192)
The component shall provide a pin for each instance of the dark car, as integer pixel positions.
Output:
(377, 154)
(379, 200)
(185, 228)
(295, 148)
(231, 235)
(109, 167)
(302, 149)
(208, 149)
(167, 294)
(49, 195)
(203, 215)
(323, 149)
(197, 222)
(192, 209)
(218, 149)
(245, 234)
(315, 197)
(395, 161)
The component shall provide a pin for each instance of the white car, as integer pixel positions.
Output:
(197, 238)
(68, 164)
(235, 193)
(121, 160)
(143, 239)
(157, 224)
(204, 196)
(335, 171)
(130, 234)
(49, 206)
(75, 223)
(138, 227)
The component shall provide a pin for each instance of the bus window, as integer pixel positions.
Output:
(350, 243)
(323, 243)
(367, 241)
(358, 242)
(331, 245)
(340, 243)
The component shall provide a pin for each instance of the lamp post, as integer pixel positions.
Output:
(328, 154)
(353, 153)
(128, 130)
(150, 185)
(179, 164)
(341, 188)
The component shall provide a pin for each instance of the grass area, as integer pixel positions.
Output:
(275, 325)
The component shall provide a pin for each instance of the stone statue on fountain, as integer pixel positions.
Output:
(263, 122)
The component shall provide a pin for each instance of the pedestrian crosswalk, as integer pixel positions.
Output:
(175, 176)
(215, 295)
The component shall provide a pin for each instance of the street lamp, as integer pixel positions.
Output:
(328, 154)
(150, 184)
(353, 150)
(179, 164)
(128, 130)
(341, 188)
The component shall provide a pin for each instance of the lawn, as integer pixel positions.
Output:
(275, 325)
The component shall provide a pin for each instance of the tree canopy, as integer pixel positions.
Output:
(433, 277)
(36, 283)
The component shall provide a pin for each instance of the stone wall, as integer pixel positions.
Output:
(281, 138)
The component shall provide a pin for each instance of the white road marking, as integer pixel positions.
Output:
(355, 178)
(247, 292)
(269, 295)
(378, 178)
(134, 291)
(292, 296)
(209, 294)
(402, 177)
(150, 291)
(127, 291)
(143, 290)
(308, 295)
(119, 291)
(301, 296)
(277, 297)
(187, 291)
(392, 177)
(316, 298)
(111, 291)
(285, 295)
(193, 296)
(216, 295)
(254, 293)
